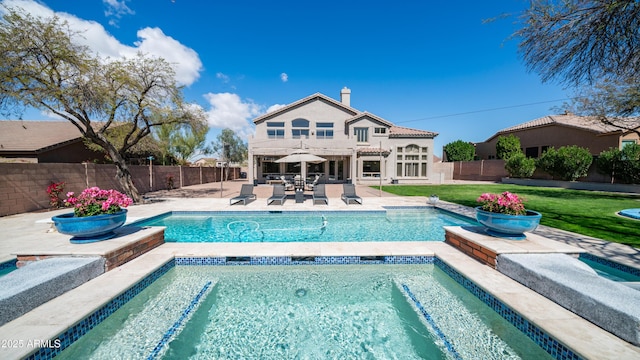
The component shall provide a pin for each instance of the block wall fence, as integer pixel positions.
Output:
(493, 170)
(23, 187)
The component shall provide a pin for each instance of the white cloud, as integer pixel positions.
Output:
(116, 9)
(184, 59)
(225, 78)
(275, 107)
(284, 77)
(152, 41)
(230, 111)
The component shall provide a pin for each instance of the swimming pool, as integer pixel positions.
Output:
(393, 224)
(7, 267)
(314, 312)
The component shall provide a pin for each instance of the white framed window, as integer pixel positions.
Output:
(300, 133)
(411, 161)
(300, 129)
(361, 134)
(275, 133)
(371, 169)
(324, 130)
(275, 130)
(380, 131)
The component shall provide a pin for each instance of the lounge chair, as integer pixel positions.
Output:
(288, 185)
(278, 195)
(349, 194)
(319, 194)
(246, 193)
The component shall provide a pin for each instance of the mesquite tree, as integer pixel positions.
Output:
(591, 45)
(42, 67)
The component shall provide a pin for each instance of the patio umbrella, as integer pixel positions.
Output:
(303, 157)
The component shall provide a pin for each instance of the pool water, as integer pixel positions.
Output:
(305, 312)
(609, 272)
(423, 224)
(7, 267)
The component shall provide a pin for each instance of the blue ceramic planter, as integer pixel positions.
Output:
(90, 228)
(508, 226)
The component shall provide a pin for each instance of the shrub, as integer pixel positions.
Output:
(622, 165)
(631, 164)
(567, 163)
(54, 190)
(459, 151)
(169, 182)
(507, 146)
(519, 166)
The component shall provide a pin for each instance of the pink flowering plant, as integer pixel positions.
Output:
(54, 190)
(95, 201)
(505, 203)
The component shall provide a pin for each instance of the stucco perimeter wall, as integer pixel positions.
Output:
(23, 187)
(481, 170)
(493, 170)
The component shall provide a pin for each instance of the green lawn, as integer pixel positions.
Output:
(591, 213)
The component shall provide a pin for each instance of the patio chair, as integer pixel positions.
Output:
(288, 185)
(319, 194)
(349, 194)
(246, 193)
(278, 195)
(314, 183)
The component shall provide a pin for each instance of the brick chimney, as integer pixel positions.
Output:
(345, 96)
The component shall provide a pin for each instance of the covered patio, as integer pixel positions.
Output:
(266, 166)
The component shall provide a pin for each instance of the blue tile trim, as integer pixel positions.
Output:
(452, 351)
(546, 342)
(611, 264)
(304, 260)
(8, 264)
(174, 328)
(267, 212)
(407, 207)
(200, 260)
(75, 332)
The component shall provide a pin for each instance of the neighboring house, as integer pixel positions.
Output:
(206, 162)
(560, 130)
(359, 147)
(43, 142)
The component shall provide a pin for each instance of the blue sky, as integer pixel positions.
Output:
(421, 64)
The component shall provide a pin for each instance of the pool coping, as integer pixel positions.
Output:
(50, 319)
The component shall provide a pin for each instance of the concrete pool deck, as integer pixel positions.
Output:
(28, 234)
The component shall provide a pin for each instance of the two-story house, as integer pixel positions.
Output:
(359, 147)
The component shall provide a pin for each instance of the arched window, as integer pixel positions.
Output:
(300, 128)
(411, 161)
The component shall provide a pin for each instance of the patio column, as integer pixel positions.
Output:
(353, 168)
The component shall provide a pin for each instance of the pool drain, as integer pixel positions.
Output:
(301, 292)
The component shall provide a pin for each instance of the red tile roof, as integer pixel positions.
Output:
(400, 132)
(373, 151)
